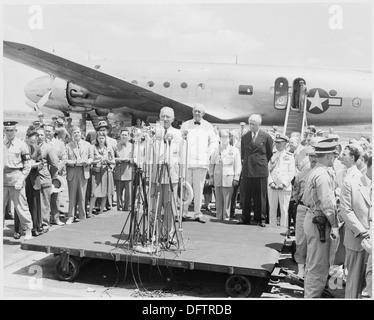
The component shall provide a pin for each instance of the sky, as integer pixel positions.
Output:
(318, 34)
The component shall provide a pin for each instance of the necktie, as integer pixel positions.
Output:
(253, 136)
(79, 150)
(197, 122)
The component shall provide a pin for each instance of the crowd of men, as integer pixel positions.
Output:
(312, 183)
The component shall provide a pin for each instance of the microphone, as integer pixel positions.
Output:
(168, 137)
(184, 134)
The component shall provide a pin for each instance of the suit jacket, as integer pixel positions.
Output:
(49, 169)
(85, 152)
(355, 209)
(256, 154)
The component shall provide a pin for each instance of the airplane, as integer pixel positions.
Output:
(230, 93)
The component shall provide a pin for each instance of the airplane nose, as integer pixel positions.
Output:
(37, 88)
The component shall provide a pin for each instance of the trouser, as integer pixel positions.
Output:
(196, 178)
(300, 238)
(256, 189)
(123, 190)
(369, 275)
(234, 198)
(317, 259)
(45, 204)
(77, 194)
(164, 217)
(20, 205)
(33, 200)
(355, 263)
(283, 198)
(55, 206)
(223, 202)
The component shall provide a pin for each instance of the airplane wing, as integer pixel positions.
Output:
(94, 80)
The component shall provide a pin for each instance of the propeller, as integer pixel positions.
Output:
(42, 101)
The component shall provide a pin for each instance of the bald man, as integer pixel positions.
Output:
(165, 175)
(202, 141)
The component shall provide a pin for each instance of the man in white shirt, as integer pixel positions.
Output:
(202, 141)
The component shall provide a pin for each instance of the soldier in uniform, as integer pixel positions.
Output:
(281, 173)
(16, 169)
(320, 221)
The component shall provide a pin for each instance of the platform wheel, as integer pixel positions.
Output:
(70, 272)
(238, 286)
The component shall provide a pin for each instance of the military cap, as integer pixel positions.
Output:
(37, 123)
(331, 137)
(102, 124)
(40, 114)
(9, 124)
(326, 147)
(281, 138)
(60, 121)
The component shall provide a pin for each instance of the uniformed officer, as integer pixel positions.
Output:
(319, 197)
(16, 169)
(281, 173)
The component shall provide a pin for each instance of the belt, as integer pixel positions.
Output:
(8, 170)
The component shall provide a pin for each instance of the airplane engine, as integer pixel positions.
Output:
(102, 112)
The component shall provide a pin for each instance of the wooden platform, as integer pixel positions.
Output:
(213, 246)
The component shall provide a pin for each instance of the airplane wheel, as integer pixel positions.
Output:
(70, 273)
(238, 286)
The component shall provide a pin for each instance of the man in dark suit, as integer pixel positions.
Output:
(256, 152)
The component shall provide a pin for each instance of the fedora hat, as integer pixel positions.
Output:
(58, 184)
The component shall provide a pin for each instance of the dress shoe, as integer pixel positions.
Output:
(262, 224)
(58, 222)
(241, 221)
(35, 233)
(28, 235)
(69, 221)
(76, 219)
(200, 219)
(16, 236)
(44, 230)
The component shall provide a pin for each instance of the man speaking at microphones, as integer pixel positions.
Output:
(165, 172)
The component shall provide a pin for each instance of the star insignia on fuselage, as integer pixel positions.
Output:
(318, 101)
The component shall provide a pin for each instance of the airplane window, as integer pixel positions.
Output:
(150, 83)
(166, 84)
(134, 82)
(184, 85)
(201, 86)
(246, 89)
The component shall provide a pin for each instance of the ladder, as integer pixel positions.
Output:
(295, 120)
